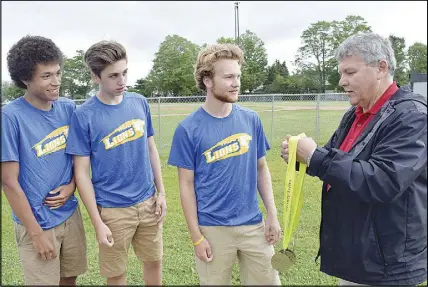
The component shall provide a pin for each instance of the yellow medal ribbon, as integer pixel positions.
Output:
(293, 201)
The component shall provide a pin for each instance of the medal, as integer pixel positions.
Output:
(293, 201)
(283, 260)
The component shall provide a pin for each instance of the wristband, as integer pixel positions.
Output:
(199, 241)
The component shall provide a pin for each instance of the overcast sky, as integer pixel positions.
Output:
(142, 26)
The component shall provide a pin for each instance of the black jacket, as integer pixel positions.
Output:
(374, 218)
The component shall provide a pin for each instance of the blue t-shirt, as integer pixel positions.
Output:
(223, 154)
(115, 138)
(37, 140)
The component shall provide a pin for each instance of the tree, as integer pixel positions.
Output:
(226, 40)
(319, 43)
(173, 66)
(417, 57)
(277, 68)
(76, 80)
(143, 87)
(255, 61)
(302, 81)
(10, 92)
(279, 85)
(399, 45)
(341, 30)
(316, 50)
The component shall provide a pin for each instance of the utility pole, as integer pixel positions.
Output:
(237, 23)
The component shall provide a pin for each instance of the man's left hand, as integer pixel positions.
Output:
(64, 192)
(272, 229)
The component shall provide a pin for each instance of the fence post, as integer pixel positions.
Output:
(317, 119)
(271, 124)
(159, 124)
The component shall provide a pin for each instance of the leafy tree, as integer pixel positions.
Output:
(277, 68)
(10, 92)
(319, 43)
(399, 45)
(417, 56)
(76, 82)
(173, 67)
(255, 62)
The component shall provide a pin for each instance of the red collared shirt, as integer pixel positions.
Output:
(363, 119)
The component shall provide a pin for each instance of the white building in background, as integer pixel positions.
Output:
(418, 83)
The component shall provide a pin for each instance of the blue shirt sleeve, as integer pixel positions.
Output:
(182, 152)
(9, 139)
(78, 142)
(262, 142)
(150, 131)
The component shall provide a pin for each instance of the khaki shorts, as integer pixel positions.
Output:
(137, 225)
(246, 244)
(70, 243)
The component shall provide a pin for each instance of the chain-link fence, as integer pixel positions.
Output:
(317, 115)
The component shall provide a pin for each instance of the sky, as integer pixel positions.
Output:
(142, 26)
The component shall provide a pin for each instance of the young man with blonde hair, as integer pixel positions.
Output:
(111, 135)
(36, 173)
(220, 154)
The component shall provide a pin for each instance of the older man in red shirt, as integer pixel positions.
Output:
(374, 171)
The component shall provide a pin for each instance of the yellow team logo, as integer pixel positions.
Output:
(231, 146)
(126, 132)
(53, 142)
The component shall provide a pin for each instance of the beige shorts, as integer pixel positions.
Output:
(70, 243)
(137, 225)
(246, 244)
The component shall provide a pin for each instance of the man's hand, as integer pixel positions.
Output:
(305, 147)
(160, 206)
(44, 247)
(203, 251)
(104, 235)
(63, 194)
(272, 229)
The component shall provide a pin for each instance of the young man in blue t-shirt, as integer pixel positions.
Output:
(220, 154)
(111, 135)
(36, 173)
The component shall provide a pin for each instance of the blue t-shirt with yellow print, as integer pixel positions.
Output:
(37, 139)
(223, 153)
(115, 139)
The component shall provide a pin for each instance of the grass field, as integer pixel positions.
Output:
(178, 265)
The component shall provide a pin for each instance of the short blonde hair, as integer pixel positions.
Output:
(210, 55)
(102, 54)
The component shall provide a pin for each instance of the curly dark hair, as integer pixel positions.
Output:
(24, 56)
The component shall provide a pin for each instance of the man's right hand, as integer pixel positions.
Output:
(104, 235)
(203, 251)
(44, 247)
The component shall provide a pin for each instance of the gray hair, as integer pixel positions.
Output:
(371, 47)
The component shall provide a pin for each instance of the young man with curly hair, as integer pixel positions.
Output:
(36, 173)
(111, 135)
(220, 154)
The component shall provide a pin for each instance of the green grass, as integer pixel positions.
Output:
(178, 264)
